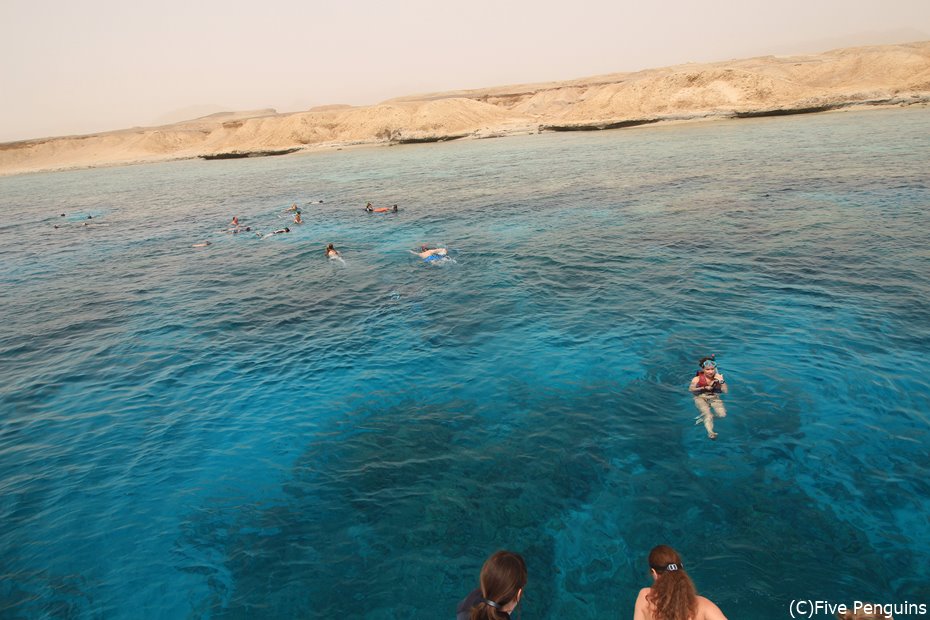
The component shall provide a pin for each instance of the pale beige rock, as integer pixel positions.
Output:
(863, 76)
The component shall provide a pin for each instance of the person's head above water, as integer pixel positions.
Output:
(503, 578)
(706, 363)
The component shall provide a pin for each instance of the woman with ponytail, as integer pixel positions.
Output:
(672, 595)
(503, 578)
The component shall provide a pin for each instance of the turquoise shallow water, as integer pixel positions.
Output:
(251, 431)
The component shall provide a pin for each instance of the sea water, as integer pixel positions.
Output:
(250, 430)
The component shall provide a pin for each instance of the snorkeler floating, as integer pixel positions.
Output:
(706, 387)
(280, 231)
(372, 209)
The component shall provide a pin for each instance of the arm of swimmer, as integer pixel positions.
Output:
(723, 384)
(694, 386)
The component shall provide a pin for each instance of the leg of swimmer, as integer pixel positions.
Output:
(709, 426)
(719, 410)
(708, 419)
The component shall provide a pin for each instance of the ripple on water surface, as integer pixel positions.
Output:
(248, 429)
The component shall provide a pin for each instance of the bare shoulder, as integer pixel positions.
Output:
(640, 611)
(707, 610)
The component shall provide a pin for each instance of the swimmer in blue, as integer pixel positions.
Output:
(430, 254)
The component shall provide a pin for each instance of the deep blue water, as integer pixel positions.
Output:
(249, 430)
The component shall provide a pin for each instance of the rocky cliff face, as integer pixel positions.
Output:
(883, 75)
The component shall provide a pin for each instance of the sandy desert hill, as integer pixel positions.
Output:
(844, 78)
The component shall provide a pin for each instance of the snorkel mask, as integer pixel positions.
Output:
(707, 362)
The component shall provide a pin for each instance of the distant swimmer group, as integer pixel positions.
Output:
(428, 253)
(84, 224)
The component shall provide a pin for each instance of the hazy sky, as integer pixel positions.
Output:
(95, 65)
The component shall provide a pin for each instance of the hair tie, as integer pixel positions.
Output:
(671, 567)
(490, 603)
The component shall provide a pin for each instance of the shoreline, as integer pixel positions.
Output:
(877, 77)
(526, 131)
